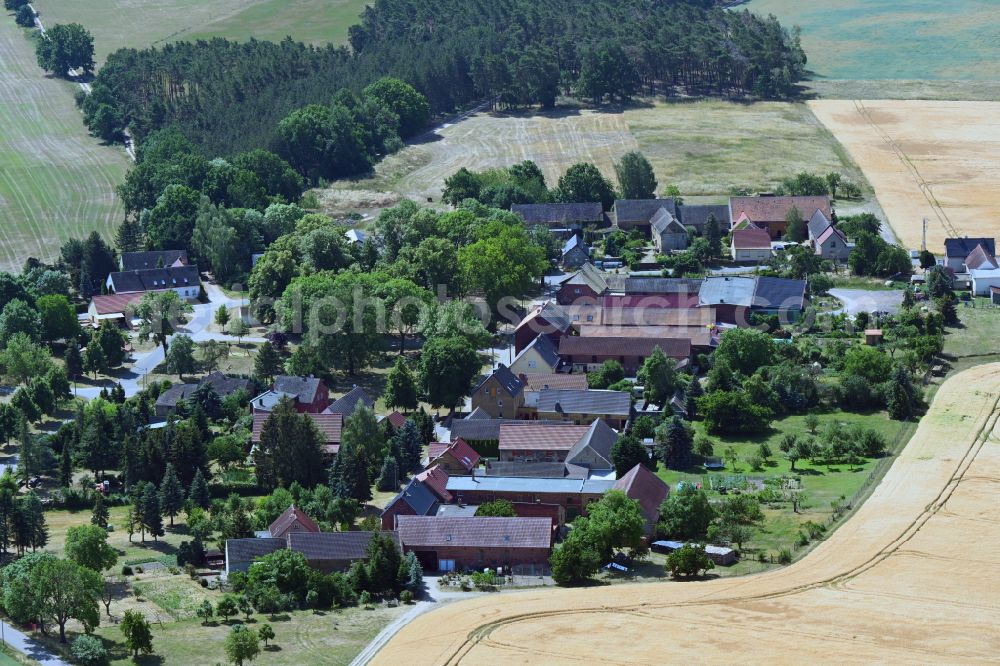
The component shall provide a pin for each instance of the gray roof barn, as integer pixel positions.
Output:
(240, 553)
(960, 248)
(730, 290)
(588, 401)
(663, 221)
(697, 216)
(662, 285)
(779, 293)
(154, 279)
(641, 210)
(336, 546)
(302, 388)
(137, 261)
(560, 214)
(349, 402)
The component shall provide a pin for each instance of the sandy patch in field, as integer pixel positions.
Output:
(939, 160)
(908, 579)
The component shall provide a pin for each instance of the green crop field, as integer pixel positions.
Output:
(141, 23)
(894, 39)
(55, 180)
(704, 147)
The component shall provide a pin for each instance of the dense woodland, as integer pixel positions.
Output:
(229, 97)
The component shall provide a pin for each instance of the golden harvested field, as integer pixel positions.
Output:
(908, 579)
(939, 160)
(705, 147)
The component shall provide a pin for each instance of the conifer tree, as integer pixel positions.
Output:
(99, 514)
(267, 362)
(198, 493)
(171, 494)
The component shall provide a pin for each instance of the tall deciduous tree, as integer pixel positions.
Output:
(87, 545)
(583, 183)
(635, 176)
(66, 46)
(447, 368)
(400, 387)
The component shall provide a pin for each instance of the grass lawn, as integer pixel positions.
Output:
(302, 637)
(822, 484)
(979, 333)
(55, 179)
(123, 23)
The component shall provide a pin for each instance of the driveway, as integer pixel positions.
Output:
(868, 300)
(199, 320)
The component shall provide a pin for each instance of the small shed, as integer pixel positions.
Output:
(873, 336)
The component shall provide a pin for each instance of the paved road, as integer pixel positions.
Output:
(202, 316)
(433, 597)
(30, 647)
(865, 300)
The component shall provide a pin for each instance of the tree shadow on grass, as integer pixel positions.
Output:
(272, 648)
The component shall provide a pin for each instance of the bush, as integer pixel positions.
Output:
(89, 650)
(406, 597)
(126, 570)
(688, 560)
(785, 556)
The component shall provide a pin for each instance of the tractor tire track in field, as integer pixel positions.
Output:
(56, 181)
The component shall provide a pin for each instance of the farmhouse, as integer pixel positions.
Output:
(646, 488)
(324, 551)
(539, 382)
(461, 542)
(583, 407)
(828, 241)
(114, 307)
(290, 520)
(456, 458)
(587, 283)
(574, 252)
(638, 213)
(541, 356)
(980, 259)
(548, 319)
(330, 426)
(697, 216)
(183, 280)
(500, 395)
(956, 250)
(349, 402)
(589, 446)
(770, 212)
(586, 353)
(309, 394)
(750, 245)
(222, 384)
(416, 499)
(573, 216)
(667, 232)
(137, 261)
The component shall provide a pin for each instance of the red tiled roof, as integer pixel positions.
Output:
(774, 209)
(463, 453)
(474, 532)
(330, 426)
(436, 479)
(396, 420)
(113, 303)
(623, 346)
(980, 258)
(537, 381)
(291, 516)
(646, 488)
(751, 239)
(540, 438)
(435, 449)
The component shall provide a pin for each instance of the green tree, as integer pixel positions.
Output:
(65, 590)
(87, 545)
(198, 492)
(689, 560)
(733, 412)
(610, 372)
(745, 350)
(447, 368)
(400, 387)
(614, 522)
(691, 395)
(112, 341)
(137, 632)
(211, 353)
(658, 377)
(867, 362)
(361, 429)
(94, 359)
(99, 515)
(383, 564)
(222, 317)
(628, 452)
(503, 263)
(388, 478)
(403, 100)
(675, 444)
(267, 363)
(635, 176)
(242, 645)
(322, 142)
(66, 46)
(171, 494)
(25, 17)
(266, 633)
(239, 329)
(58, 320)
(498, 508)
(180, 356)
(159, 312)
(150, 511)
(19, 317)
(410, 444)
(205, 611)
(795, 231)
(574, 561)
(73, 360)
(227, 607)
(86, 649)
(289, 449)
(713, 233)
(583, 183)
(833, 182)
(686, 514)
(23, 359)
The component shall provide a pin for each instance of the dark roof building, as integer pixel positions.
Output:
(302, 389)
(588, 401)
(697, 216)
(818, 224)
(137, 261)
(155, 279)
(418, 532)
(223, 384)
(652, 286)
(416, 499)
(963, 247)
(615, 346)
(349, 402)
(476, 428)
(646, 488)
(773, 294)
(560, 214)
(639, 212)
(541, 354)
(333, 551)
(241, 553)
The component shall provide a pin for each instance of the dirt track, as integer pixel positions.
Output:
(939, 160)
(909, 579)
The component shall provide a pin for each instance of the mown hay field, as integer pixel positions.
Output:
(704, 147)
(56, 181)
(933, 159)
(894, 39)
(905, 580)
(142, 23)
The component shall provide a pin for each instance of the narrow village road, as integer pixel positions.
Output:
(30, 647)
